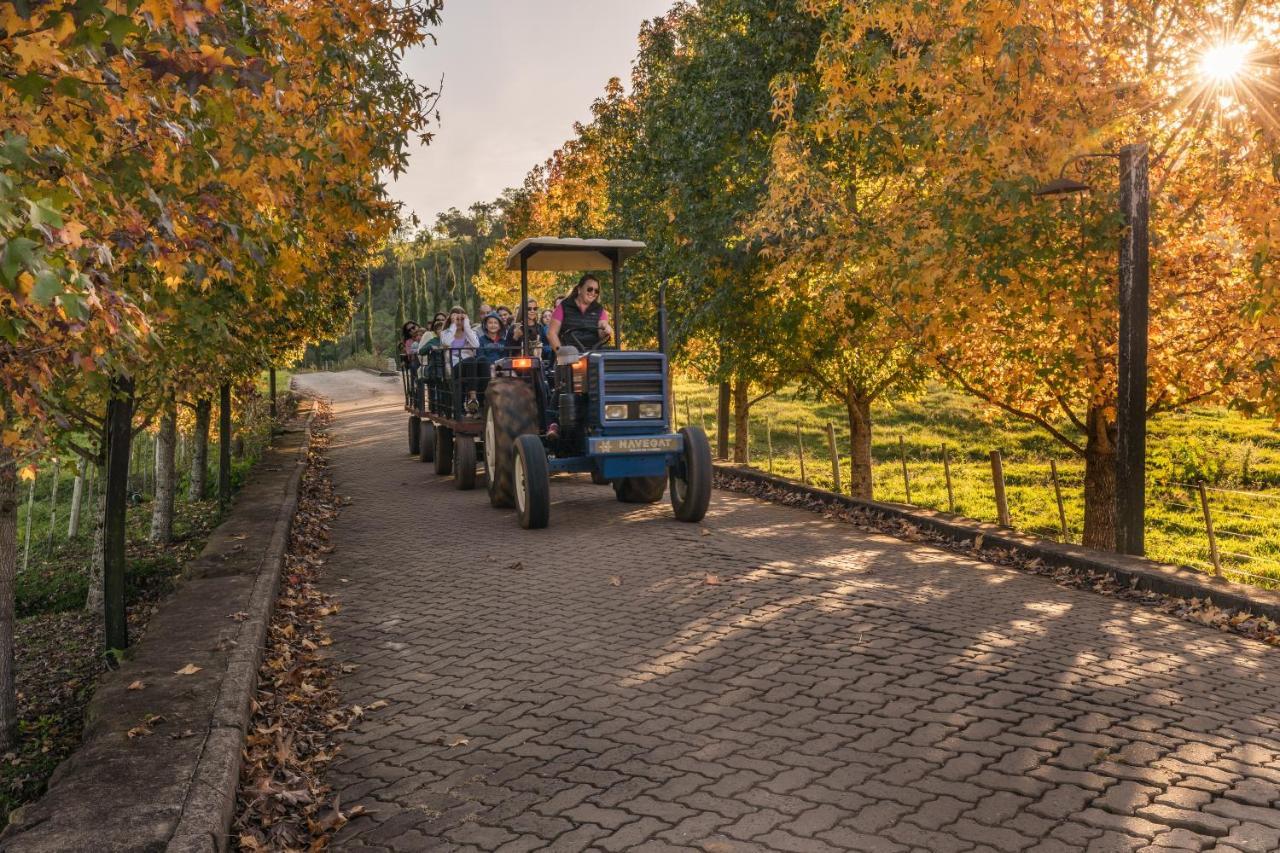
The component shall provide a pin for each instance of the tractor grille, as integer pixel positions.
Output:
(631, 386)
(632, 365)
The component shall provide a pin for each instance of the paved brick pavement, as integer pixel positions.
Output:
(836, 690)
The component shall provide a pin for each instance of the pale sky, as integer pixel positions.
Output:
(517, 75)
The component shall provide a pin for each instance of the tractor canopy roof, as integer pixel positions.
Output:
(569, 254)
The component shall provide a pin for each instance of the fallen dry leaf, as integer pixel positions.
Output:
(377, 704)
(239, 615)
(614, 580)
(189, 669)
(704, 531)
(457, 740)
(136, 685)
(711, 580)
(516, 566)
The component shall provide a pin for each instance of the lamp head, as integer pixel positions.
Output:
(1061, 186)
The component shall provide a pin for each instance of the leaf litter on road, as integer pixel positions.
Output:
(283, 802)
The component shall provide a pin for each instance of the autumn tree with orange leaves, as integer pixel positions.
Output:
(189, 190)
(947, 116)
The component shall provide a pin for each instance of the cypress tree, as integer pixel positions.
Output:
(368, 312)
(400, 306)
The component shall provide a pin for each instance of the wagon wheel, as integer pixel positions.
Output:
(426, 441)
(444, 451)
(413, 434)
(464, 462)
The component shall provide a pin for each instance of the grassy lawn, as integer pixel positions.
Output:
(1238, 458)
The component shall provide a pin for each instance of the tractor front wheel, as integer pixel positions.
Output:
(531, 482)
(511, 410)
(640, 490)
(444, 451)
(413, 434)
(426, 441)
(464, 462)
(691, 476)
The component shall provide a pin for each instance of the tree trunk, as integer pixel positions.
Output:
(26, 539)
(200, 450)
(1100, 482)
(722, 421)
(162, 506)
(119, 438)
(224, 445)
(8, 581)
(741, 421)
(77, 498)
(93, 600)
(53, 507)
(859, 413)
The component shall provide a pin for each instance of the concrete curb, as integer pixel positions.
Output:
(210, 805)
(173, 787)
(1141, 573)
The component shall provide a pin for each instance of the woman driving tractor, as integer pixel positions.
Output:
(581, 320)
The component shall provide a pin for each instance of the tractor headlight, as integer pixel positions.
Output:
(650, 410)
(615, 412)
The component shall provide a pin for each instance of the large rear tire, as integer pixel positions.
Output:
(511, 410)
(692, 475)
(444, 451)
(531, 482)
(464, 462)
(640, 490)
(413, 434)
(426, 441)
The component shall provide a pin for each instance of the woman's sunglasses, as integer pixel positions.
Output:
(592, 289)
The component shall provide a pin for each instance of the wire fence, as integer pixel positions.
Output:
(1230, 532)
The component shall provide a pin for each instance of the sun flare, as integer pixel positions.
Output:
(1224, 62)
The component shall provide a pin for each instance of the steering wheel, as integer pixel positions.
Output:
(573, 334)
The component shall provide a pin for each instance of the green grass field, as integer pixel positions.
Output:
(1237, 458)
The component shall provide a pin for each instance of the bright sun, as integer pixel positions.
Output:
(1222, 63)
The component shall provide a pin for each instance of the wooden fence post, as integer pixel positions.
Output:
(768, 438)
(1057, 495)
(1208, 528)
(800, 444)
(906, 478)
(835, 457)
(946, 473)
(997, 477)
(271, 381)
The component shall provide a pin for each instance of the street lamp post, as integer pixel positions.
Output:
(1131, 367)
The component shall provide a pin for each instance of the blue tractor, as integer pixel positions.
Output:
(598, 410)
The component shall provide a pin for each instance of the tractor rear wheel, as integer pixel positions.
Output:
(511, 410)
(691, 476)
(640, 490)
(426, 441)
(531, 482)
(413, 434)
(464, 462)
(444, 451)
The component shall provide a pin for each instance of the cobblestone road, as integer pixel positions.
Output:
(835, 690)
